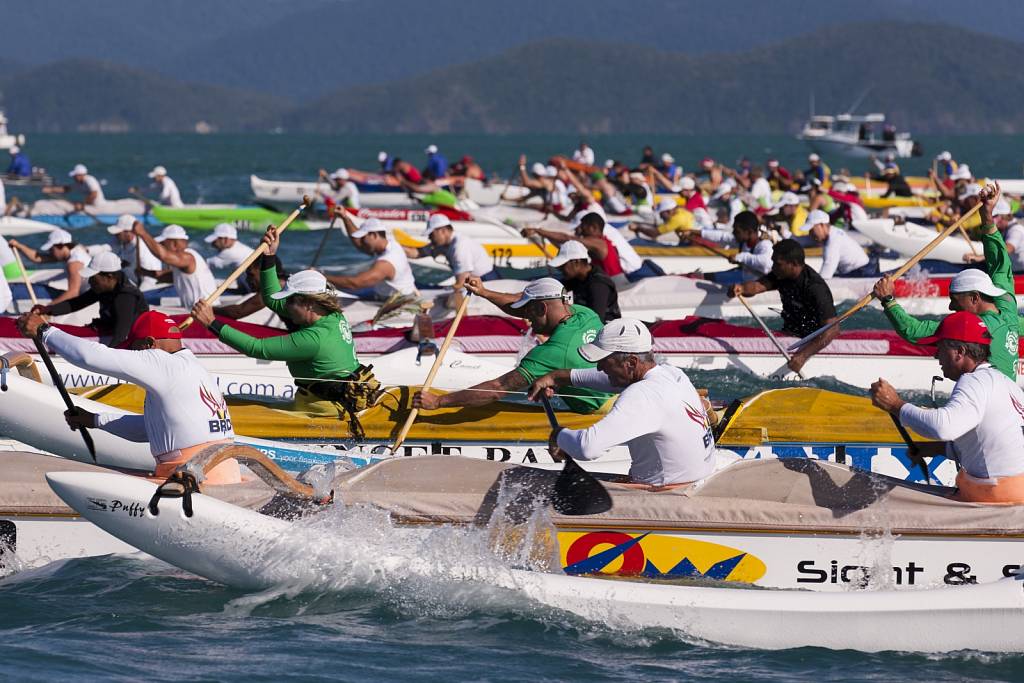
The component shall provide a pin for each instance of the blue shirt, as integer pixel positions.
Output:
(437, 166)
(20, 165)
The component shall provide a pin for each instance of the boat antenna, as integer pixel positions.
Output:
(856, 103)
(812, 104)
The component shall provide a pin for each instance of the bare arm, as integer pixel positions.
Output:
(183, 261)
(502, 300)
(31, 254)
(381, 270)
(479, 395)
(814, 346)
(74, 282)
(242, 309)
(746, 289)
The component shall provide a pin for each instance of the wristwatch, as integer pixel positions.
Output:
(887, 299)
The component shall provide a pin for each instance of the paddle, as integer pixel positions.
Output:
(900, 272)
(323, 240)
(775, 340)
(59, 383)
(576, 490)
(24, 276)
(912, 450)
(257, 252)
(433, 370)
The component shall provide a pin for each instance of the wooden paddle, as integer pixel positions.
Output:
(323, 240)
(433, 370)
(24, 276)
(576, 491)
(900, 272)
(257, 252)
(775, 340)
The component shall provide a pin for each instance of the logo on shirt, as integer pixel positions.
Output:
(1012, 342)
(220, 421)
(589, 336)
(345, 330)
(701, 418)
(1018, 407)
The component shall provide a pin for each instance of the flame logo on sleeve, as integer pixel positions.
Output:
(698, 416)
(1017, 406)
(218, 406)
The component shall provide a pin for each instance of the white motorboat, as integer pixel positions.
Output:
(857, 135)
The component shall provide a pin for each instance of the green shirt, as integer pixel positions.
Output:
(1003, 323)
(324, 350)
(561, 351)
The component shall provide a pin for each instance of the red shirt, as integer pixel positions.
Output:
(695, 202)
(412, 175)
(610, 263)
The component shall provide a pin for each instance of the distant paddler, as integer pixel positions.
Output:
(982, 424)
(344, 191)
(186, 267)
(254, 303)
(120, 301)
(320, 354)
(842, 256)
(990, 298)
(755, 249)
(466, 257)
(807, 303)
(165, 187)
(60, 247)
(86, 183)
(588, 284)
(184, 411)
(231, 252)
(658, 414)
(139, 262)
(545, 305)
(390, 273)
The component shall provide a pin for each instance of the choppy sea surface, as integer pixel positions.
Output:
(429, 612)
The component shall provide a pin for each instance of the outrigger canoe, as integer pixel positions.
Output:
(909, 238)
(943, 573)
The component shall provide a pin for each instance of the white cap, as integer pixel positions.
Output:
(544, 288)
(1002, 208)
(172, 232)
(944, 156)
(551, 171)
(438, 220)
(788, 199)
(221, 230)
(340, 174)
(56, 237)
(666, 204)
(157, 171)
(538, 169)
(125, 222)
(813, 157)
(569, 251)
(103, 262)
(431, 149)
(773, 163)
(368, 226)
(14, 149)
(974, 280)
(382, 157)
(624, 335)
(817, 216)
(79, 169)
(667, 158)
(725, 188)
(303, 282)
(970, 190)
(608, 163)
(962, 172)
(687, 183)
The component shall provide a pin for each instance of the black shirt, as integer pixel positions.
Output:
(597, 292)
(806, 301)
(118, 308)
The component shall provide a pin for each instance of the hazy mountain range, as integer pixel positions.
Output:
(601, 65)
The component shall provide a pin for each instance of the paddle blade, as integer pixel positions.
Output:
(800, 343)
(578, 493)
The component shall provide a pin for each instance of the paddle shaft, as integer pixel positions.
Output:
(912, 450)
(576, 491)
(62, 390)
(433, 371)
(24, 276)
(323, 240)
(257, 253)
(775, 341)
(717, 251)
(900, 272)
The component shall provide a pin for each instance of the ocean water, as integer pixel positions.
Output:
(428, 613)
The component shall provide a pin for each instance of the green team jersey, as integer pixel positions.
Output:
(561, 351)
(324, 350)
(1003, 324)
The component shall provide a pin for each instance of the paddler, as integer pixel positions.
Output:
(184, 411)
(842, 256)
(343, 188)
(168, 189)
(982, 424)
(320, 354)
(990, 298)
(806, 299)
(671, 217)
(789, 216)
(587, 283)
(466, 257)
(20, 166)
(1013, 234)
(231, 253)
(817, 169)
(589, 231)
(120, 301)
(658, 414)
(690, 193)
(255, 303)
(186, 267)
(139, 262)
(545, 304)
(755, 249)
(390, 273)
(410, 178)
(59, 247)
(437, 164)
(92, 191)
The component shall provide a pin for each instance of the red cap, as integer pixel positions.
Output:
(960, 326)
(154, 324)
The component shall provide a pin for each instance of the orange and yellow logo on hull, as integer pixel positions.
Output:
(655, 556)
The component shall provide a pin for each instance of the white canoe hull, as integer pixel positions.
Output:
(245, 549)
(13, 226)
(292, 192)
(908, 239)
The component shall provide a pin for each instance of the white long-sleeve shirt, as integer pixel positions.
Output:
(1015, 235)
(183, 406)
(841, 254)
(231, 257)
(660, 419)
(758, 259)
(169, 194)
(982, 423)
